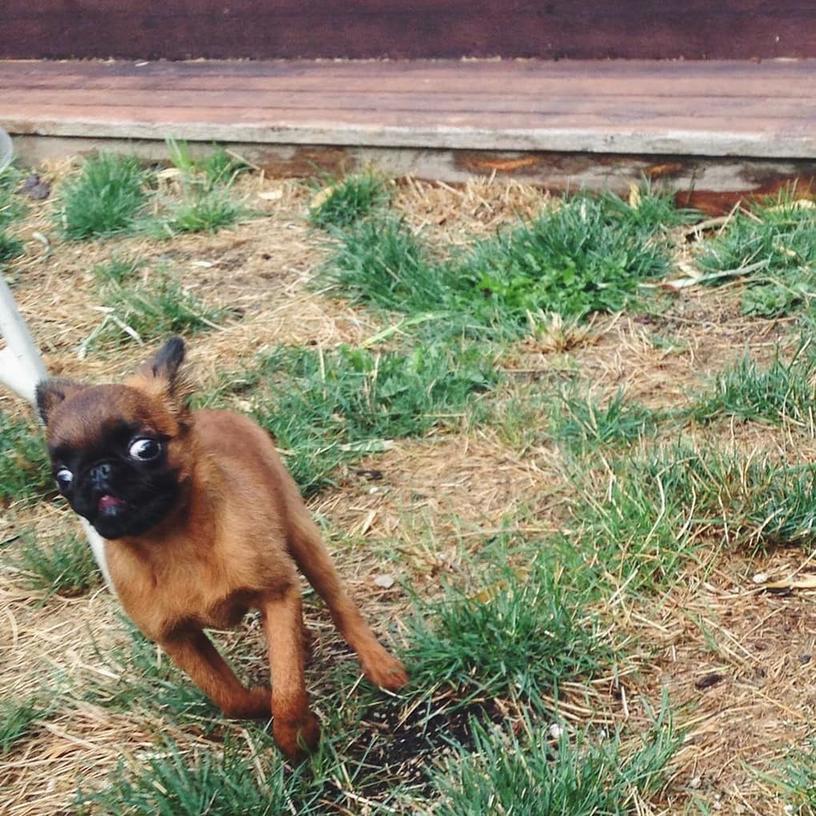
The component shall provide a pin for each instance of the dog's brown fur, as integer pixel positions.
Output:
(232, 543)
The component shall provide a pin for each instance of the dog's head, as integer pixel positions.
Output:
(121, 453)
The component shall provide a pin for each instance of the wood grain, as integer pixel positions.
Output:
(263, 29)
(714, 108)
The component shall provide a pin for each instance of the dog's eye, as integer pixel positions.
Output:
(145, 450)
(64, 478)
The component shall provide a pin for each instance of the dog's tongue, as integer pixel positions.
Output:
(108, 502)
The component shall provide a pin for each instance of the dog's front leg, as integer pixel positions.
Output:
(194, 653)
(295, 728)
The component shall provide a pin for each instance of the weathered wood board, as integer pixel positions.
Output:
(363, 29)
(711, 131)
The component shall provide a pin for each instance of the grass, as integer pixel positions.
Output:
(17, 720)
(774, 242)
(25, 472)
(117, 270)
(581, 775)
(199, 210)
(172, 781)
(583, 424)
(341, 203)
(585, 255)
(327, 408)
(782, 392)
(11, 209)
(797, 781)
(65, 567)
(205, 203)
(104, 199)
(155, 308)
(539, 631)
(145, 676)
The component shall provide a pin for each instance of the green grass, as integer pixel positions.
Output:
(10, 247)
(17, 720)
(583, 424)
(226, 780)
(117, 270)
(104, 199)
(381, 262)
(64, 567)
(782, 392)
(217, 168)
(346, 201)
(775, 243)
(156, 308)
(513, 631)
(797, 781)
(146, 677)
(25, 472)
(326, 408)
(205, 203)
(580, 775)
(207, 210)
(588, 254)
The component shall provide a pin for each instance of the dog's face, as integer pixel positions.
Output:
(120, 453)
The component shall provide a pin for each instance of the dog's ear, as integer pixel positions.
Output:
(52, 393)
(161, 375)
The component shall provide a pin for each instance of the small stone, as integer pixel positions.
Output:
(761, 578)
(804, 659)
(708, 680)
(555, 731)
(695, 783)
(384, 581)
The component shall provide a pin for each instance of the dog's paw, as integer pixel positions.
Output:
(297, 739)
(254, 705)
(386, 672)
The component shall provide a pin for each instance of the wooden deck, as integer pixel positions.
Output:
(440, 118)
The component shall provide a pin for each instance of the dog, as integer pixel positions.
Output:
(201, 523)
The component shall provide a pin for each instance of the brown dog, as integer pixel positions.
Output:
(202, 522)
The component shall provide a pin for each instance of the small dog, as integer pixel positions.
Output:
(202, 522)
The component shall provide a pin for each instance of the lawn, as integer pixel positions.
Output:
(562, 452)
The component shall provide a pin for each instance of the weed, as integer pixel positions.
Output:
(104, 199)
(25, 472)
(584, 256)
(589, 254)
(146, 676)
(65, 567)
(521, 633)
(325, 408)
(10, 247)
(156, 308)
(172, 782)
(11, 207)
(381, 262)
(218, 168)
(117, 270)
(782, 392)
(528, 775)
(17, 718)
(342, 203)
(206, 211)
(774, 242)
(797, 782)
(583, 424)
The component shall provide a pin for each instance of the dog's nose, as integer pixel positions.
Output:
(100, 474)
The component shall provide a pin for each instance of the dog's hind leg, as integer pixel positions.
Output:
(306, 547)
(293, 724)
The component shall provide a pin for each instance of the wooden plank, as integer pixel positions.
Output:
(257, 29)
(521, 109)
(447, 105)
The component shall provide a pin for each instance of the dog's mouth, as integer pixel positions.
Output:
(109, 505)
